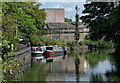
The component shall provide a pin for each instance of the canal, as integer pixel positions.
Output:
(96, 65)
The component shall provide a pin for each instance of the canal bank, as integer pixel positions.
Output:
(16, 62)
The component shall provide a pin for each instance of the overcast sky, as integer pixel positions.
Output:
(68, 5)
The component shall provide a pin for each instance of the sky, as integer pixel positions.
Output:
(68, 5)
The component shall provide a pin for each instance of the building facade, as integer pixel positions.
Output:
(54, 15)
(55, 19)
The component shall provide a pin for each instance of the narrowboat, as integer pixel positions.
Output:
(54, 52)
(37, 53)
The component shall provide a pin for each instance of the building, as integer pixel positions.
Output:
(60, 26)
(55, 19)
(54, 15)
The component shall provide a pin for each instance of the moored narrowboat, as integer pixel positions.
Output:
(48, 53)
(37, 53)
(54, 52)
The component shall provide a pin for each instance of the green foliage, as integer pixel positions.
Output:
(38, 40)
(72, 43)
(9, 65)
(0, 60)
(68, 20)
(49, 41)
(93, 57)
(9, 69)
(114, 29)
(35, 74)
(22, 19)
(1, 74)
(103, 21)
(98, 43)
(19, 20)
(77, 34)
(9, 27)
(8, 47)
(96, 56)
(97, 19)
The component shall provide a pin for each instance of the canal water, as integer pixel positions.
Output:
(96, 65)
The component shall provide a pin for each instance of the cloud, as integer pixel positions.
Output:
(84, 14)
(68, 9)
(72, 0)
(43, 3)
(58, 6)
(61, 0)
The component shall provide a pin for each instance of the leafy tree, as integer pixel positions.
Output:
(97, 18)
(103, 21)
(68, 20)
(19, 20)
(9, 27)
(27, 18)
(114, 29)
(76, 24)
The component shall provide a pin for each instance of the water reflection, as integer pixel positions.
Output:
(94, 66)
(77, 63)
(56, 71)
(36, 73)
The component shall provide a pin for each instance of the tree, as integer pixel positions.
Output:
(27, 19)
(68, 20)
(19, 20)
(76, 24)
(114, 29)
(103, 21)
(97, 18)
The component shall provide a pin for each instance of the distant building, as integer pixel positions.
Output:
(62, 36)
(55, 19)
(54, 15)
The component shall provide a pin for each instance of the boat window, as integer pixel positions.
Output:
(38, 55)
(37, 49)
(40, 49)
(43, 49)
(49, 48)
(33, 49)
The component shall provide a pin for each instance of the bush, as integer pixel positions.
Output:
(98, 43)
(37, 40)
(72, 43)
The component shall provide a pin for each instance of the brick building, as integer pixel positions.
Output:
(55, 15)
(55, 19)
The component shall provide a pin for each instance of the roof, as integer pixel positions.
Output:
(59, 25)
